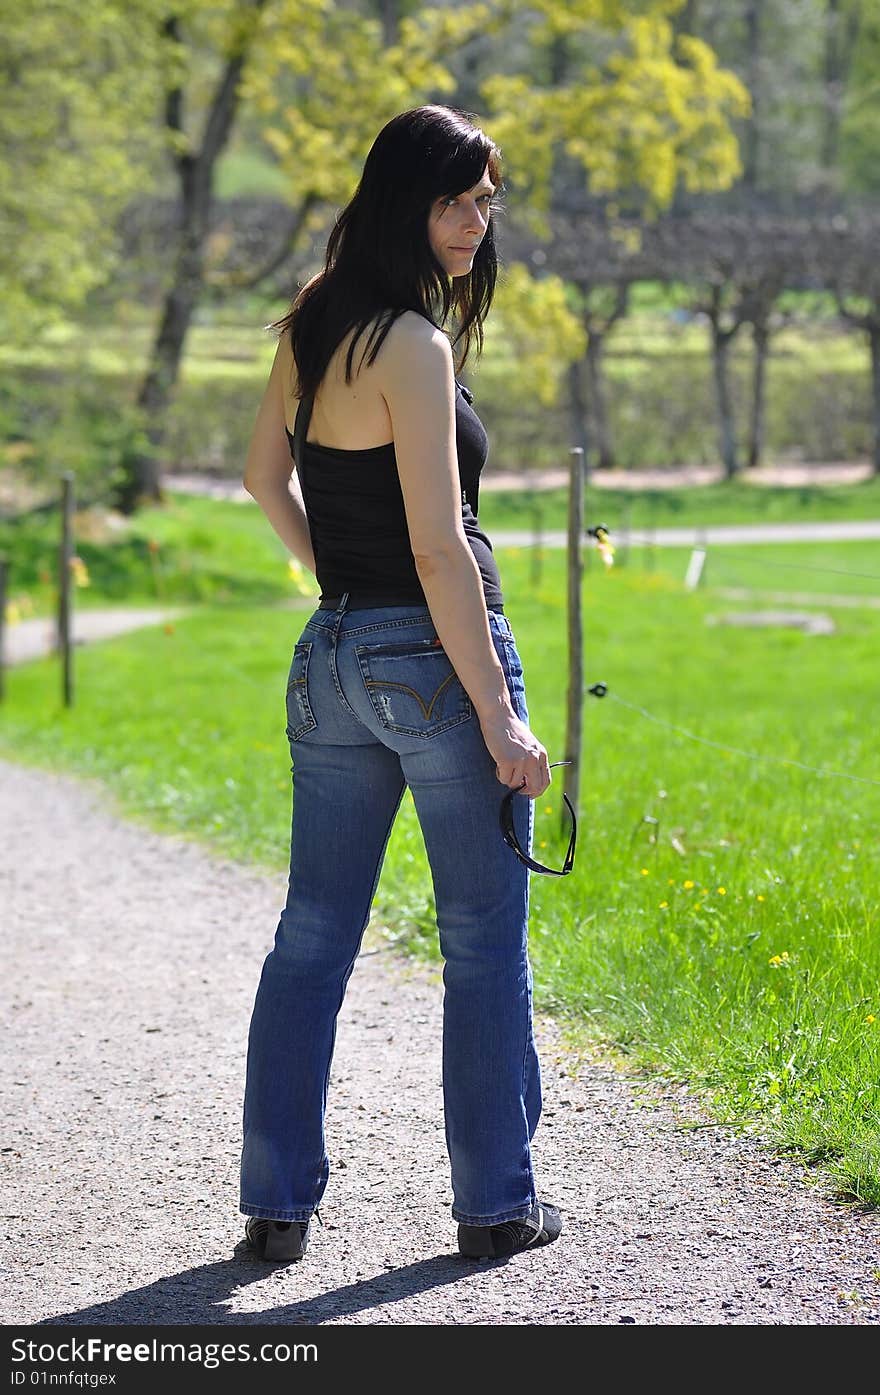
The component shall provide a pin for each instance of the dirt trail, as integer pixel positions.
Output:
(130, 964)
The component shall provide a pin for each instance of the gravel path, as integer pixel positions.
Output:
(792, 475)
(33, 639)
(131, 960)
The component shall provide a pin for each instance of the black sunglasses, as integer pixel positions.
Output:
(512, 841)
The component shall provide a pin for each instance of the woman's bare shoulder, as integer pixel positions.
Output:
(413, 342)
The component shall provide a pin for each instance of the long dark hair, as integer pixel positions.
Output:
(379, 261)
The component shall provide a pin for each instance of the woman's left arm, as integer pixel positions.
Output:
(269, 464)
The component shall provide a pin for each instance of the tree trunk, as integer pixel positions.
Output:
(143, 477)
(757, 424)
(834, 63)
(579, 413)
(688, 18)
(598, 404)
(721, 342)
(752, 141)
(389, 14)
(142, 471)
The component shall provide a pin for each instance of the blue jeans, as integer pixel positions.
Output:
(374, 705)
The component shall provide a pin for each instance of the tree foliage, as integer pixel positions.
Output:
(77, 131)
(533, 334)
(323, 80)
(638, 108)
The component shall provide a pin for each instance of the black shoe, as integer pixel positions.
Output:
(541, 1227)
(277, 1241)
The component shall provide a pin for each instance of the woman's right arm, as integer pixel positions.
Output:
(417, 380)
(269, 475)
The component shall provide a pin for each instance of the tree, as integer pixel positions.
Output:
(76, 138)
(638, 109)
(844, 251)
(729, 264)
(532, 335)
(859, 108)
(843, 20)
(811, 70)
(630, 108)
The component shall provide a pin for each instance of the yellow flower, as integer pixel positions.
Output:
(295, 572)
(645, 872)
(606, 551)
(697, 906)
(663, 905)
(605, 547)
(80, 571)
(722, 891)
(759, 897)
(688, 886)
(779, 959)
(870, 1018)
(671, 881)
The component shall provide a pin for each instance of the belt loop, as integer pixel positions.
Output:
(338, 614)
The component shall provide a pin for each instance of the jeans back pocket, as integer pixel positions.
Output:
(412, 686)
(300, 717)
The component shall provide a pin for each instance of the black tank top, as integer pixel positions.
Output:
(356, 515)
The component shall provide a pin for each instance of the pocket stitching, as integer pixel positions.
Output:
(302, 649)
(372, 684)
(405, 688)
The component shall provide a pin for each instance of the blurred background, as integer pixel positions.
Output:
(689, 238)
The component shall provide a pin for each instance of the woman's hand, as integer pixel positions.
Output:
(521, 762)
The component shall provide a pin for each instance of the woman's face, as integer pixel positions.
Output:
(457, 225)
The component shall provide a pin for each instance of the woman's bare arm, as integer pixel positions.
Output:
(269, 465)
(417, 379)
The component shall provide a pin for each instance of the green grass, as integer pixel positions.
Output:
(764, 994)
(187, 550)
(824, 569)
(736, 501)
(201, 550)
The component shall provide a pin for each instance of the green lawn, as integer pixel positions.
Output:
(736, 501)
(721, 922)
(202, 550)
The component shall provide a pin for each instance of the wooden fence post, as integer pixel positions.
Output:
(65, 589)
(575, 705)
(4, 570)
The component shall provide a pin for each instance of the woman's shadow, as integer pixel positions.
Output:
(199, 1296)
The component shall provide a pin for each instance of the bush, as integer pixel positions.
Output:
(53, 421)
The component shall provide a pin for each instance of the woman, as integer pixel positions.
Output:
(407, 674)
